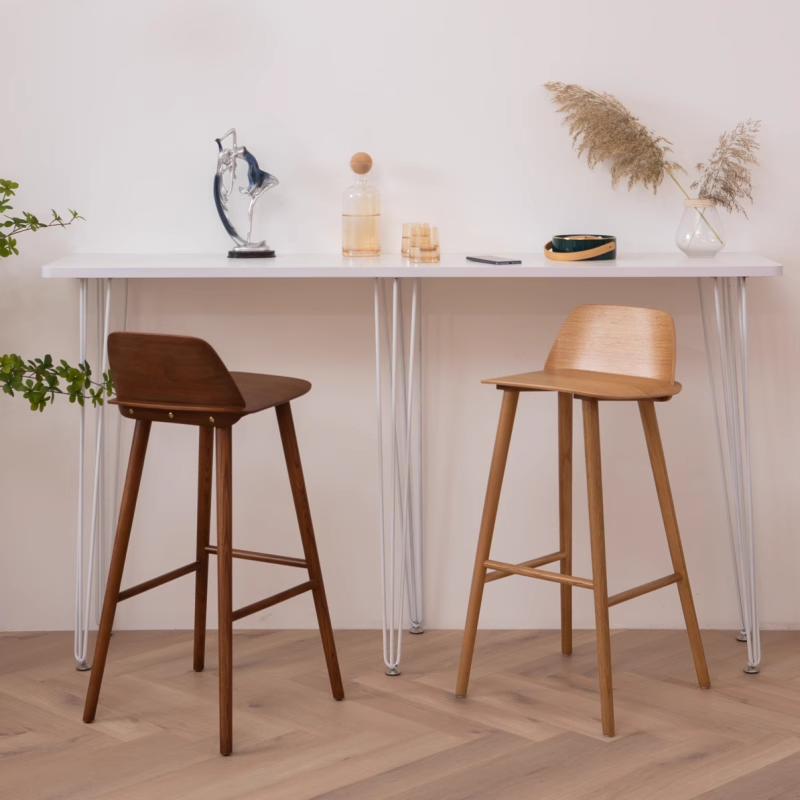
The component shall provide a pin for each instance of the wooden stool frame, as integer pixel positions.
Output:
(487, 570)
(215, 432)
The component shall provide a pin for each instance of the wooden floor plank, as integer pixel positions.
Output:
(777, 781)
(529, 726)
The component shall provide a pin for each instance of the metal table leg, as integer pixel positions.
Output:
(400, 499)
(83, 583)
(79, 640)
(106, 533)
(723, 303)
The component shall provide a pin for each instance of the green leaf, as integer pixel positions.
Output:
(39, 380)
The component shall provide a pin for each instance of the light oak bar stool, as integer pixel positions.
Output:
(601, 353)
(179, 379)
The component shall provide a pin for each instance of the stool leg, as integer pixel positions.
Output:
(504, 428)
(565, 513)
(295, 469)
(225, 592)
(205, 466)
(594, 484)
(659, 465)
(133, 478)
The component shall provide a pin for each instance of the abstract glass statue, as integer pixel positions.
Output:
(258, 182)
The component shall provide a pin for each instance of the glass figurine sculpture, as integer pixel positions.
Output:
(258, 182)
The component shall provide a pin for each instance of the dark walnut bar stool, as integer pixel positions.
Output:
(601, 353)
(179, 379)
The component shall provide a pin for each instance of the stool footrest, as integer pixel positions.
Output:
(637, 591)
(161, 579)
(274, 600)
(266, 558)
(542, 574)
(535, 562)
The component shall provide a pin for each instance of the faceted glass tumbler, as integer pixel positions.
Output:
(700, 233)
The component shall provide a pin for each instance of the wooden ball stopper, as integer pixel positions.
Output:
(361, 163)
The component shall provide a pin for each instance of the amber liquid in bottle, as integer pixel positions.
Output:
(361, 212)
(361, 234)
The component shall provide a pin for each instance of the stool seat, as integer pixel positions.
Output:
(259, 392)
(267, 391)
(588, 383)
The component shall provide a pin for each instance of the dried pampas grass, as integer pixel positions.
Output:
(726, 176)
(605, 130)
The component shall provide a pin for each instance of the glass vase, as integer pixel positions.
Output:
(700, 233)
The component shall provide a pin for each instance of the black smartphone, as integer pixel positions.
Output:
(493, 260)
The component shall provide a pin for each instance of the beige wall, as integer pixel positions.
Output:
(113, 109)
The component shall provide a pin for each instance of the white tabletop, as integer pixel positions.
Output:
(331, 265)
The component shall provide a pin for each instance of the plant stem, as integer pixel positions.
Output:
(688, 197)
(24, 228)
(677, 183)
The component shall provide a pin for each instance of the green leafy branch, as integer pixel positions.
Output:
(27, 222)
(39, 381)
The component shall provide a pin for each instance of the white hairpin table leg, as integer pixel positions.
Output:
(99, 507)
(415, 534)
(106, 533)
(83, 596)
(410, 506)
(726, 349)
(400, 499)
(79, 642)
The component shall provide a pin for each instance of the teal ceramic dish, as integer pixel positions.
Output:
(578, 242)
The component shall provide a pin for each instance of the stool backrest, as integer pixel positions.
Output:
(156, 369)
(619, 339)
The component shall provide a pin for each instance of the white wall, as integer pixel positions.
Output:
(112, 108)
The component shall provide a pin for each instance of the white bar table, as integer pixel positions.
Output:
(723, 302)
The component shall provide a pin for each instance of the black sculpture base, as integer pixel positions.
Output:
(251, 253)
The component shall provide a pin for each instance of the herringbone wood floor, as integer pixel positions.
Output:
(529, 729)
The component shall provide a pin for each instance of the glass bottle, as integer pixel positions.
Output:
(361, 212)
(700, 233)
